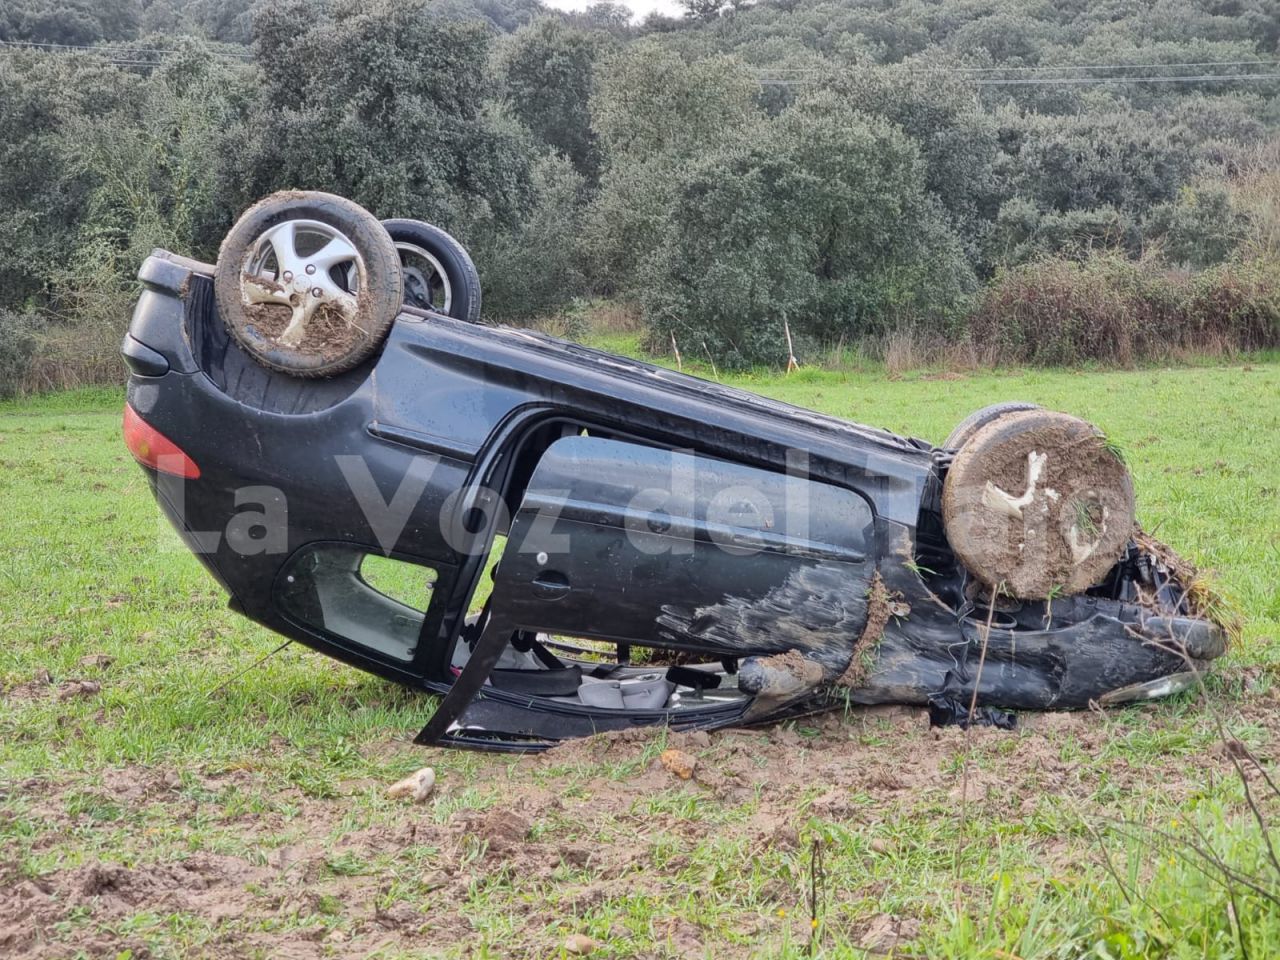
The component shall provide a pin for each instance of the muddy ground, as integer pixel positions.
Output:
(597, 821)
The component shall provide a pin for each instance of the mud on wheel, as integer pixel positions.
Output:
(308, 283)
(1037, 504)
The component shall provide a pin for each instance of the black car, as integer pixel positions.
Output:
(357, 459)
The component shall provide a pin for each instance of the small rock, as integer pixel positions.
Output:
(417, 786)
(78, 688)
(878, 846)
(886, 932)
(97, 661)
(679, 763)
(580, 944)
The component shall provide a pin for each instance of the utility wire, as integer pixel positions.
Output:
(1183, 79)
(1049, 81)
(1078, 66)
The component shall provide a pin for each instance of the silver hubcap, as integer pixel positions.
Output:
(426, 285)
(294, 265)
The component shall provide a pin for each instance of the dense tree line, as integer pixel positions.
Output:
(848, 168)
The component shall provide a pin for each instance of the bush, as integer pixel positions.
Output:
(1023, 233)
(1111, 310)
(531, 270)
(1236, 304)
(1200, 228)
(820, 220)
(19, 337)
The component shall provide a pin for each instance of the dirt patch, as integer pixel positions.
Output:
(73, 689)
(40, 685)
(879, 608)
(1037, 504)
(208, 885)
(330, 335)
(267, 319)
(593, 822)
(885, 933)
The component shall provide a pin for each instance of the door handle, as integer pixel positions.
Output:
(550, 585)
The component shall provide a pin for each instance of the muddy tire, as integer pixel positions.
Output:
(308, 283)
(975, 421)
(1037, 504)
(438, 272)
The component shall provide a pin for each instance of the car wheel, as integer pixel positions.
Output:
(308, 283)
(975, 421)
(438, 272)
(1038, 504)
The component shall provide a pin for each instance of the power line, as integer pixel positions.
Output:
(1023, 81)
(1049, 81)
(1042, 69)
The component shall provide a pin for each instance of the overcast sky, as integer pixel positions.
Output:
(641, 8)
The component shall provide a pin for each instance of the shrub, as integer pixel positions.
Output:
(1200, 228)
(1236, 303)
(819, 222)
(1111, 310)
(531, 270)
(18, 341)
(1022, 233)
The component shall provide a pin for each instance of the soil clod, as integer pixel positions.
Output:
(679, 763)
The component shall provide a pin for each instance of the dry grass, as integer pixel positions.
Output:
(73, 356)
(1110, 310)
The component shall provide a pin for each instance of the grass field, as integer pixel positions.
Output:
(146, 812)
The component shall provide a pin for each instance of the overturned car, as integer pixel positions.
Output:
(560, 541)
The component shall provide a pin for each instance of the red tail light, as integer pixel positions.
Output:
(153, 449)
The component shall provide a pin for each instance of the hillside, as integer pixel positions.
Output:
(858, 171)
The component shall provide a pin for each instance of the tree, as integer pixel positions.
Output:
(649, 100)
(548, 71)
(821, 220)
(535, 268)
(43, 189)
(1121, 159)
(654, 114)
(384, 103)
(957, 139)
(69, 21)
(703, 11)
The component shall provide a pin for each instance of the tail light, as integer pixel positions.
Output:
(153, 449)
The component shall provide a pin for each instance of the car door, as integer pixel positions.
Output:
(640, 545)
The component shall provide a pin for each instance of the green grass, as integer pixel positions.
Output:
(161, 767)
